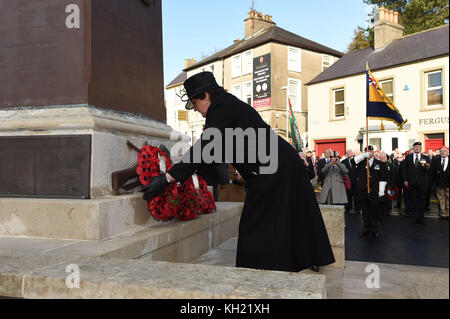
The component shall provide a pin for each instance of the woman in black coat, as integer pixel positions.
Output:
(281, 226)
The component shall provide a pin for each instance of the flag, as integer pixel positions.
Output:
(297, 142)
(379, 105)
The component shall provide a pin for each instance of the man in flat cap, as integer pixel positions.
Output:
(281, 226)
(369, 201)
(416, 172)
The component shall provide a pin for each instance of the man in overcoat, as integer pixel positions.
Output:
(352, 194)
(416, 171)
(281, 226)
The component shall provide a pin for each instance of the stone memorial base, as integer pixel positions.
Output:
(46, 206)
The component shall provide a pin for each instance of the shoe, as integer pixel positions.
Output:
(376, 235)
(315, 268)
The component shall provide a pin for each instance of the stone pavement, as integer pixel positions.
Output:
(396, 281)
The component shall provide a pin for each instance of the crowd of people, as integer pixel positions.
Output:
(402, 180)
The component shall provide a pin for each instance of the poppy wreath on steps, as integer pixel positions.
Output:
(194, 199)
(183, 201)
(152, 162)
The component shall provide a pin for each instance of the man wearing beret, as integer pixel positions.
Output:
(281, 226)
(416, 171)
(369, 201)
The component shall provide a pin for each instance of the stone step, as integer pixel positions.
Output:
(174, 241)
(44, 276)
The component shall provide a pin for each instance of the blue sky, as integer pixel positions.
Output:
(196, 28)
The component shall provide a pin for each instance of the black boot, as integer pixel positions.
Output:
(315, 268)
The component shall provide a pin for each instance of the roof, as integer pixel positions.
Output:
(272, 34)
(178, 80)
(411, 48)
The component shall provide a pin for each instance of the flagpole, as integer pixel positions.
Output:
(367, 147)
(367, 129)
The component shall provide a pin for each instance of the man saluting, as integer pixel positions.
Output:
(368, 200)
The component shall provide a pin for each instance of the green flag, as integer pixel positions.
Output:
(297, 142)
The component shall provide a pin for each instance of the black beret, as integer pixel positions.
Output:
(417, 143)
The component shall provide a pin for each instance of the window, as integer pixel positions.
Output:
(248, 92)
(294, 59)
(338, 104)
(295, 94)
(388, 88)
(327, 61)
(394, 143)
(236, 90)
(434, 92)
(236, 66)
(247, 62)
(212, 68)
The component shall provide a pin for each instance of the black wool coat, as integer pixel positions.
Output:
(281, 226)
(419, 175)
(440, 177)
(377, 173)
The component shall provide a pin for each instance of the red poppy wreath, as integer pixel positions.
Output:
(184, 201)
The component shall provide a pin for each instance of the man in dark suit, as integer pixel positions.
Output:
(321, 164)
(368, 201)
(417, 171)
(385, 203)
(352, 194)
(440, 171)
(397, 177)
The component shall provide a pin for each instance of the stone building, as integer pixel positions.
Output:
(263, 69)
(413, 71)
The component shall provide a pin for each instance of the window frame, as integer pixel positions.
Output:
(245, 63)
(297, 108)
(333, 91)
(427, 89)
(235, 64)
(323, 61)
(424, 90)
(245, 94)
(240, 90)
(392, 95)
(298, 67)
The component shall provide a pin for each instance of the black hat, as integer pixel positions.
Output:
(370, 148)
(417, 143)
(196, 85)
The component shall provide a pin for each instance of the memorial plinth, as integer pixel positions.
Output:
(78, 79)
(113, 60)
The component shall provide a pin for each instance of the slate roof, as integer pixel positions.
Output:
(178, 80)
(411, 48)
(272, 34)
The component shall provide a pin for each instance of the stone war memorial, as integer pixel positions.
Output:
(81, 81)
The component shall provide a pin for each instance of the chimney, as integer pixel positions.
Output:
(189, 62)
(387, 28)
(257, 21)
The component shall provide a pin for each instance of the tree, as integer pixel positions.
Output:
(417, 15)
(363, 38)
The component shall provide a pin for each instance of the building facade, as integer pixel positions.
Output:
(266, 68)
(413, 71)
